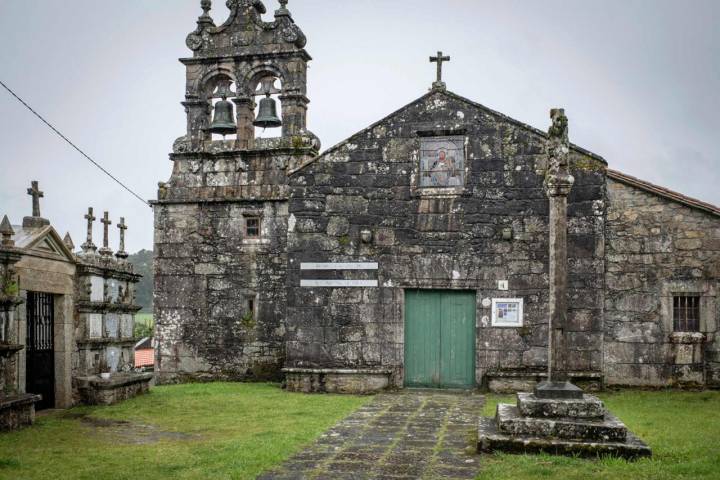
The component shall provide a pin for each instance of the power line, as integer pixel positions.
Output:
(72, 144)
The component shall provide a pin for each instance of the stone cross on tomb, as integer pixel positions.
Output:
(122, 227)
(35, 221)
(89, 246)
(105, 250)
(36, 195)
(439, 60)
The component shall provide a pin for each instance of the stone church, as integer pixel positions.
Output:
(414, 253)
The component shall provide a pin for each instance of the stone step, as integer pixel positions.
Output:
(511, 422)
(490, 440)
(588, 407)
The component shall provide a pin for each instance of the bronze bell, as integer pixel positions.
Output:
(223, 118)
(267, 115)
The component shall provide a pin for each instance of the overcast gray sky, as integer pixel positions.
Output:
(639, 79)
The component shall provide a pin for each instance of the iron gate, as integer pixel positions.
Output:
(40, 353)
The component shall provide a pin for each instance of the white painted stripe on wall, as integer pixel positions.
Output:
(338, 283)
(339, 266)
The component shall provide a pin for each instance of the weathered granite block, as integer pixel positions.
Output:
(359, 382)
(122, 386)
(511, 422)
(17, 411)
(589, 407)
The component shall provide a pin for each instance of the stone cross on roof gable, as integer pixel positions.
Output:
(36, 194)
(105, 250)
(439, 60)
(35, 221)
(121, 252)
(89, 246)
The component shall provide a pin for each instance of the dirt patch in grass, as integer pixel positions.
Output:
(126, 432)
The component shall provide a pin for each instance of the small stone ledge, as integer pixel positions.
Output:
(490, 440)
(341, 380)
(687, 337)
(7, 350)
(17, 411)
(95, 390)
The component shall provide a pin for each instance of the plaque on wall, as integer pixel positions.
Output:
(95, 325)
(111, 325)
(112, 358)
(126, 326)
(97, 289)
(442, 162)
(114, 288)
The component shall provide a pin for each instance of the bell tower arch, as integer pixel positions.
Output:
(221, 220)
(249, 51)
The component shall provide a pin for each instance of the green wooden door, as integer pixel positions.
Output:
(439, 338)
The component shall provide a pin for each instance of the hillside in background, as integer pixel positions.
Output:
(143, 262)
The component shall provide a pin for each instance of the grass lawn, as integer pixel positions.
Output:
(218, 431)
(683, 429)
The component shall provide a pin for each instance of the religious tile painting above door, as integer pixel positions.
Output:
(442, 162)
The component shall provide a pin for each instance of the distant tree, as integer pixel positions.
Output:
(143, 262)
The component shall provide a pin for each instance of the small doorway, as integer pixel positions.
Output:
(439, 338)
(40, 348)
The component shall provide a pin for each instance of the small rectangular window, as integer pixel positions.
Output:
(252, 227)
(686, 313)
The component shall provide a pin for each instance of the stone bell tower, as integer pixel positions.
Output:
(221, 220)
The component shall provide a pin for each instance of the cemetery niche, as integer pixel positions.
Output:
(61, 313)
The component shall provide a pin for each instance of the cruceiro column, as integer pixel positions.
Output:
(558, 417)
(558, 183)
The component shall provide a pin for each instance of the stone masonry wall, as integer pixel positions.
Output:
(440, 242)
(656, 248)
(207, 272)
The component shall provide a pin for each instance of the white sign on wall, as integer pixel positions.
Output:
(507, 312)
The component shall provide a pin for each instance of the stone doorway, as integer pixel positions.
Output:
(40, 348)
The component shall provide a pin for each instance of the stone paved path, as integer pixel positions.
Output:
(407, 435)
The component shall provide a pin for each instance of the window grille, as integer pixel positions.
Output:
(686, 313)
(252, 227)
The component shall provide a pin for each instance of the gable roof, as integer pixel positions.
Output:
(453, 96)
(663, 192)
(43, 242)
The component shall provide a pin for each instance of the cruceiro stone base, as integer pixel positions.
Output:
(17, 411)
(361, 381)
(121, 386)
(578, 425)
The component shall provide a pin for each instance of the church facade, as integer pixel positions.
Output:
(413, 254)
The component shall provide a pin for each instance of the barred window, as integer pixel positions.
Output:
(252, 227)
(686, 313)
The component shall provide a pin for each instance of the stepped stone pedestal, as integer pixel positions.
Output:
(570, 422)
